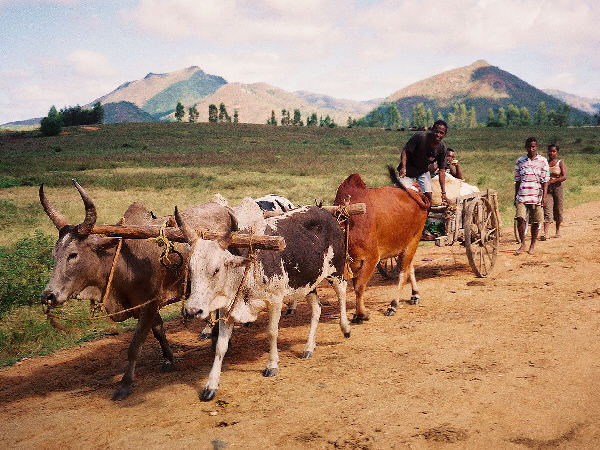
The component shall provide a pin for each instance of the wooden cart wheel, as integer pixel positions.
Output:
(481, 229)
(389, 268)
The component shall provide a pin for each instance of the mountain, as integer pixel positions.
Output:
(255, 102)
(480, 85)
(125, 112)
(158, 94)
(588, 105)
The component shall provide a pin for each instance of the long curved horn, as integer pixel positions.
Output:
(56, 217)
(190, 235)
(86, 226)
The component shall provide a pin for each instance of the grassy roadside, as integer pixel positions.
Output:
(164, 165)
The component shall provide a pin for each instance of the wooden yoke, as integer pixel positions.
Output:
(174, 234)
(352, 209)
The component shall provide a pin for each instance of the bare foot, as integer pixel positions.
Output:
(520, 250)
(531, 250)
(557, 235)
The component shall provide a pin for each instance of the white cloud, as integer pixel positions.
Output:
(88, 63)
(239, 21)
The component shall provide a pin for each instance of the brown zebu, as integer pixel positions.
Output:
(391, 226)
(83, 260)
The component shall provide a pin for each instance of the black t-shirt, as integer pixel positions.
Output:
(419, 155)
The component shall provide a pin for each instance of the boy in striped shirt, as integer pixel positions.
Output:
(531, 181)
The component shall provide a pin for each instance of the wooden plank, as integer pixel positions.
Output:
(174, 234)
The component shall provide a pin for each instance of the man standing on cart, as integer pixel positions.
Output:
(531, 182)
(423, 149)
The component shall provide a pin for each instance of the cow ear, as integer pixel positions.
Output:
(238, 261)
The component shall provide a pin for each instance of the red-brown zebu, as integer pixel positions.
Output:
(392, 226)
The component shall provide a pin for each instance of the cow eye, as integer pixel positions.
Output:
(71, 257)
(216, 271)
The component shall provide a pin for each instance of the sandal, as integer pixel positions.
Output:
(542, 237)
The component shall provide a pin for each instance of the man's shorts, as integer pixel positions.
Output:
(424, 182)
(536, 212)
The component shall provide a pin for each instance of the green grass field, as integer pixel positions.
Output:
(168, 164)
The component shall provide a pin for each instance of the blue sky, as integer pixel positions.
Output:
(69, 52)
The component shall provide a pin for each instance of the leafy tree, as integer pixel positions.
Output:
(312, 121)
(525, 117)
(52, 123)
(429, 118)
(596, 118)
(501, 117)
(213, 113)
(327, 122)
(541, 117)
(193, 114)
(179, 112)
(461, 119)
(394, 119)
(513, 116)
(236, 117)
(491, 118)
(440, 116)
(472, 118)
(451, 120)
(419, 116)
(98, 113)
(563, 115)
(349, 122)
(272, 120)
(552, 118)
(223, 116)
(297, 121)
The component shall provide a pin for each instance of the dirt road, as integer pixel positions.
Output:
(511, 361)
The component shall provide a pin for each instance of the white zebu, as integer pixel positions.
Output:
(314, 252)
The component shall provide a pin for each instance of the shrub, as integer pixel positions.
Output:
(24, 270)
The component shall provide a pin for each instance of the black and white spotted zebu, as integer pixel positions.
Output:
(314, 252)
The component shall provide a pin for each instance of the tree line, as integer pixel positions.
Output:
(52, 124)
(296, 120)
(214, 114)
(387, 116)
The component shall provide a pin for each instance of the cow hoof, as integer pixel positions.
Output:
(122, 392)
(413, 301)
(306, 355)
(167, 366)
(204, 336)
(207, 394)
(290, 312)
(390, 312)
(358, 320)
(270, 372)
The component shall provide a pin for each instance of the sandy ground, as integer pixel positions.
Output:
(510, 361)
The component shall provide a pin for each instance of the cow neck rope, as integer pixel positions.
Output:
(343, 216)
(252, 258)
(52, 318)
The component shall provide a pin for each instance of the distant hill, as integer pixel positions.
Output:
(24, 123)
(255, 102)
(588, 105)
(480, 85)
(125, 112)
(159, 93)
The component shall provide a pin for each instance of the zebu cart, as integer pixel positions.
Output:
(472, 220)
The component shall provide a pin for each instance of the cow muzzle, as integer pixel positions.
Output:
(49, 299)
(190, 313)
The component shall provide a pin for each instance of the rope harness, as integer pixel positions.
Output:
(97, 308)
(343, 217)
(252, 257)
